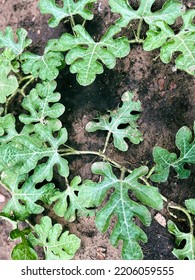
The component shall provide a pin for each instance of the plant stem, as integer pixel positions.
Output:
(150, 172)
(138, 41)
(21, 91)
(180, 208)
(103, 156)
(106, 142)
(139, 28)
(22, 79)
(29, 223)
(25, 85)
(72, 23)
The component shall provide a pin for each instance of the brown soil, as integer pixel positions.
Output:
(168, 103)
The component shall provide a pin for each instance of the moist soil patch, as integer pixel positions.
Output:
(168, 102)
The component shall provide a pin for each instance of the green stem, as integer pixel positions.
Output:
(20, 91)
(150, 172)
(72, 23)
(70, 152)
(22, 79)
(180, 208)
(139, 28)
(136, 41)
(106, 142)
(25, 86)
(8, 101)
(29, 223)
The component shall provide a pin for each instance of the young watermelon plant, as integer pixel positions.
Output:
(33, 146)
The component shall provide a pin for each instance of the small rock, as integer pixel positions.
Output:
(189, 5)
(160, 219)
(2, 198)
(101, 253)
(161, 83)
(172, 86)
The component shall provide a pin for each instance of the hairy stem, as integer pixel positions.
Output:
(180, 208)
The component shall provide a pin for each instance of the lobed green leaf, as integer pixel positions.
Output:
(46, 67)
(70, 8)
(24, 196)
(8, 59)
(57, 245)
(121, 116)
(38, 103)
(7, 40)
(24, 151)
(168, 13)
(8, 83)
(165, 160)
(69, 204)
(188, 250)
(23, 250)
(120, 205)
(162, 36)
(85, 56)
(190, 205)
(7, 128)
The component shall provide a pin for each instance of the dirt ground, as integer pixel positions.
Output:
(168, 102)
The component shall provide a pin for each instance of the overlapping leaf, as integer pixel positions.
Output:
(8, 59)
(121, 116)
(169, 12)
(120, 205)
(7, 128)
(45, 67)
(69, 203)
(38, 104)
(87, 56)
(165, 160)
(70, 8)
(23, 250)
(23, 152)
(190, 204)
(161, 35)
(7, 40)
(24, 196)
(188, 250)
(57, 245)
(8, 83)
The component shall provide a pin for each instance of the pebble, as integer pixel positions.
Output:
(2, 198)
(160, 219)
